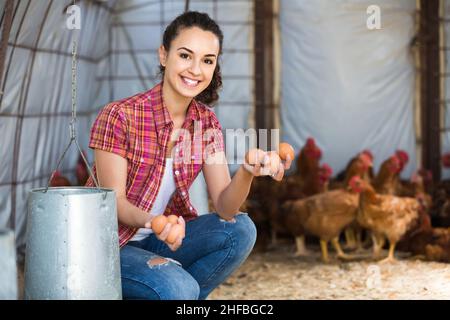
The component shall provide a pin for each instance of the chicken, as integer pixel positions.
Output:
(324, 215)
(290, 188)
(438, 249)
(324, 174)
(441, 196)
(388, 215)
(444, 213)
(57, 180)
(446, 160)
(402, 188)
(365, 157)
(304, 182)
(439, 253)
(387, 183)
(258, 216)
(431, 243)
(260, 202)
(313, 180)
(310, 150)
(82, 172)
(386, 180)
(360, 165)
(418, 237)
(418, 186)
(420, 234)
(413, 187)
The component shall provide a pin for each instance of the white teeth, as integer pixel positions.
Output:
(190, 82)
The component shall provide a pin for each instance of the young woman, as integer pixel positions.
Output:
(150, 147)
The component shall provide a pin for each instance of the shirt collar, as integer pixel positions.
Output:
(160, 112)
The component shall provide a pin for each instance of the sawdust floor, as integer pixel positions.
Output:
(277, 274)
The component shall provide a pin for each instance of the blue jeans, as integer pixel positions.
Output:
(212, 249)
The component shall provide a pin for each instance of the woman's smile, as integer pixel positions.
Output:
(190, 83)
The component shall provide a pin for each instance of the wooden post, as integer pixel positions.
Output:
(430, 87)
(9, 6)
(264, 80)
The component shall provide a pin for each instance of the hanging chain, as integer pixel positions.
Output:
(73, 122)
(73, 133)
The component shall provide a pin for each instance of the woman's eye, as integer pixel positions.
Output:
(184, 55)
(209, 61)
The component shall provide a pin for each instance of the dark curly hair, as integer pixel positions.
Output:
(203, 21)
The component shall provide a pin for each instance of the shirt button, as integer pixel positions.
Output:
(177, 172)
(177, 149)
(183, 193)
(190, 208)
(142, 159)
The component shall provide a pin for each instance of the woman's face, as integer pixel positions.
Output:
(190, 62)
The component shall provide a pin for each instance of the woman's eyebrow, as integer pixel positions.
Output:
(190, 51)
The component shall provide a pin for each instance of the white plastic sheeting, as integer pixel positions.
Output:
(36, 103)
(117, 47)
(349, 87)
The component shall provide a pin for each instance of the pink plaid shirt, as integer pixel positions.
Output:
(139, 128)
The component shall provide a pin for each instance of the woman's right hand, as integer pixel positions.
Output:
(165, 233)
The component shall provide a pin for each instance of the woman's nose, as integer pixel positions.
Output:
(195, 68)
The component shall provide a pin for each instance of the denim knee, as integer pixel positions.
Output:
(185, 289)
(245, 230)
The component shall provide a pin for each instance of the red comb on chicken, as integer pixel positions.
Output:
(366, 160)
(310, 143)
(312, 150)
(59, 181)
(394, 164)
(355, 184)
(325, 173)
(446, 160)
(403, 157)
(368, 153)
(326, 170)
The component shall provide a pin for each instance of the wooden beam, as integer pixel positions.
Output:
(264, 81)
(430, 87)
(9, 7)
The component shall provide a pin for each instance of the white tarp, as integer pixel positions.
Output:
(349, 87)
(36, 105)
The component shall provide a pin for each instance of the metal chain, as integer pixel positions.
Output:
(73, 133)
(73, 122)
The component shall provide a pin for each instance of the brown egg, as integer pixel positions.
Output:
(254, 155)
(286, 149)
(158, 223)
(175, 231)
(274, 161)
(173, 219)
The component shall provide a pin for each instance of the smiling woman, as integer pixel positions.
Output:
(189, 69)
(198, 42)
(138, 143)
